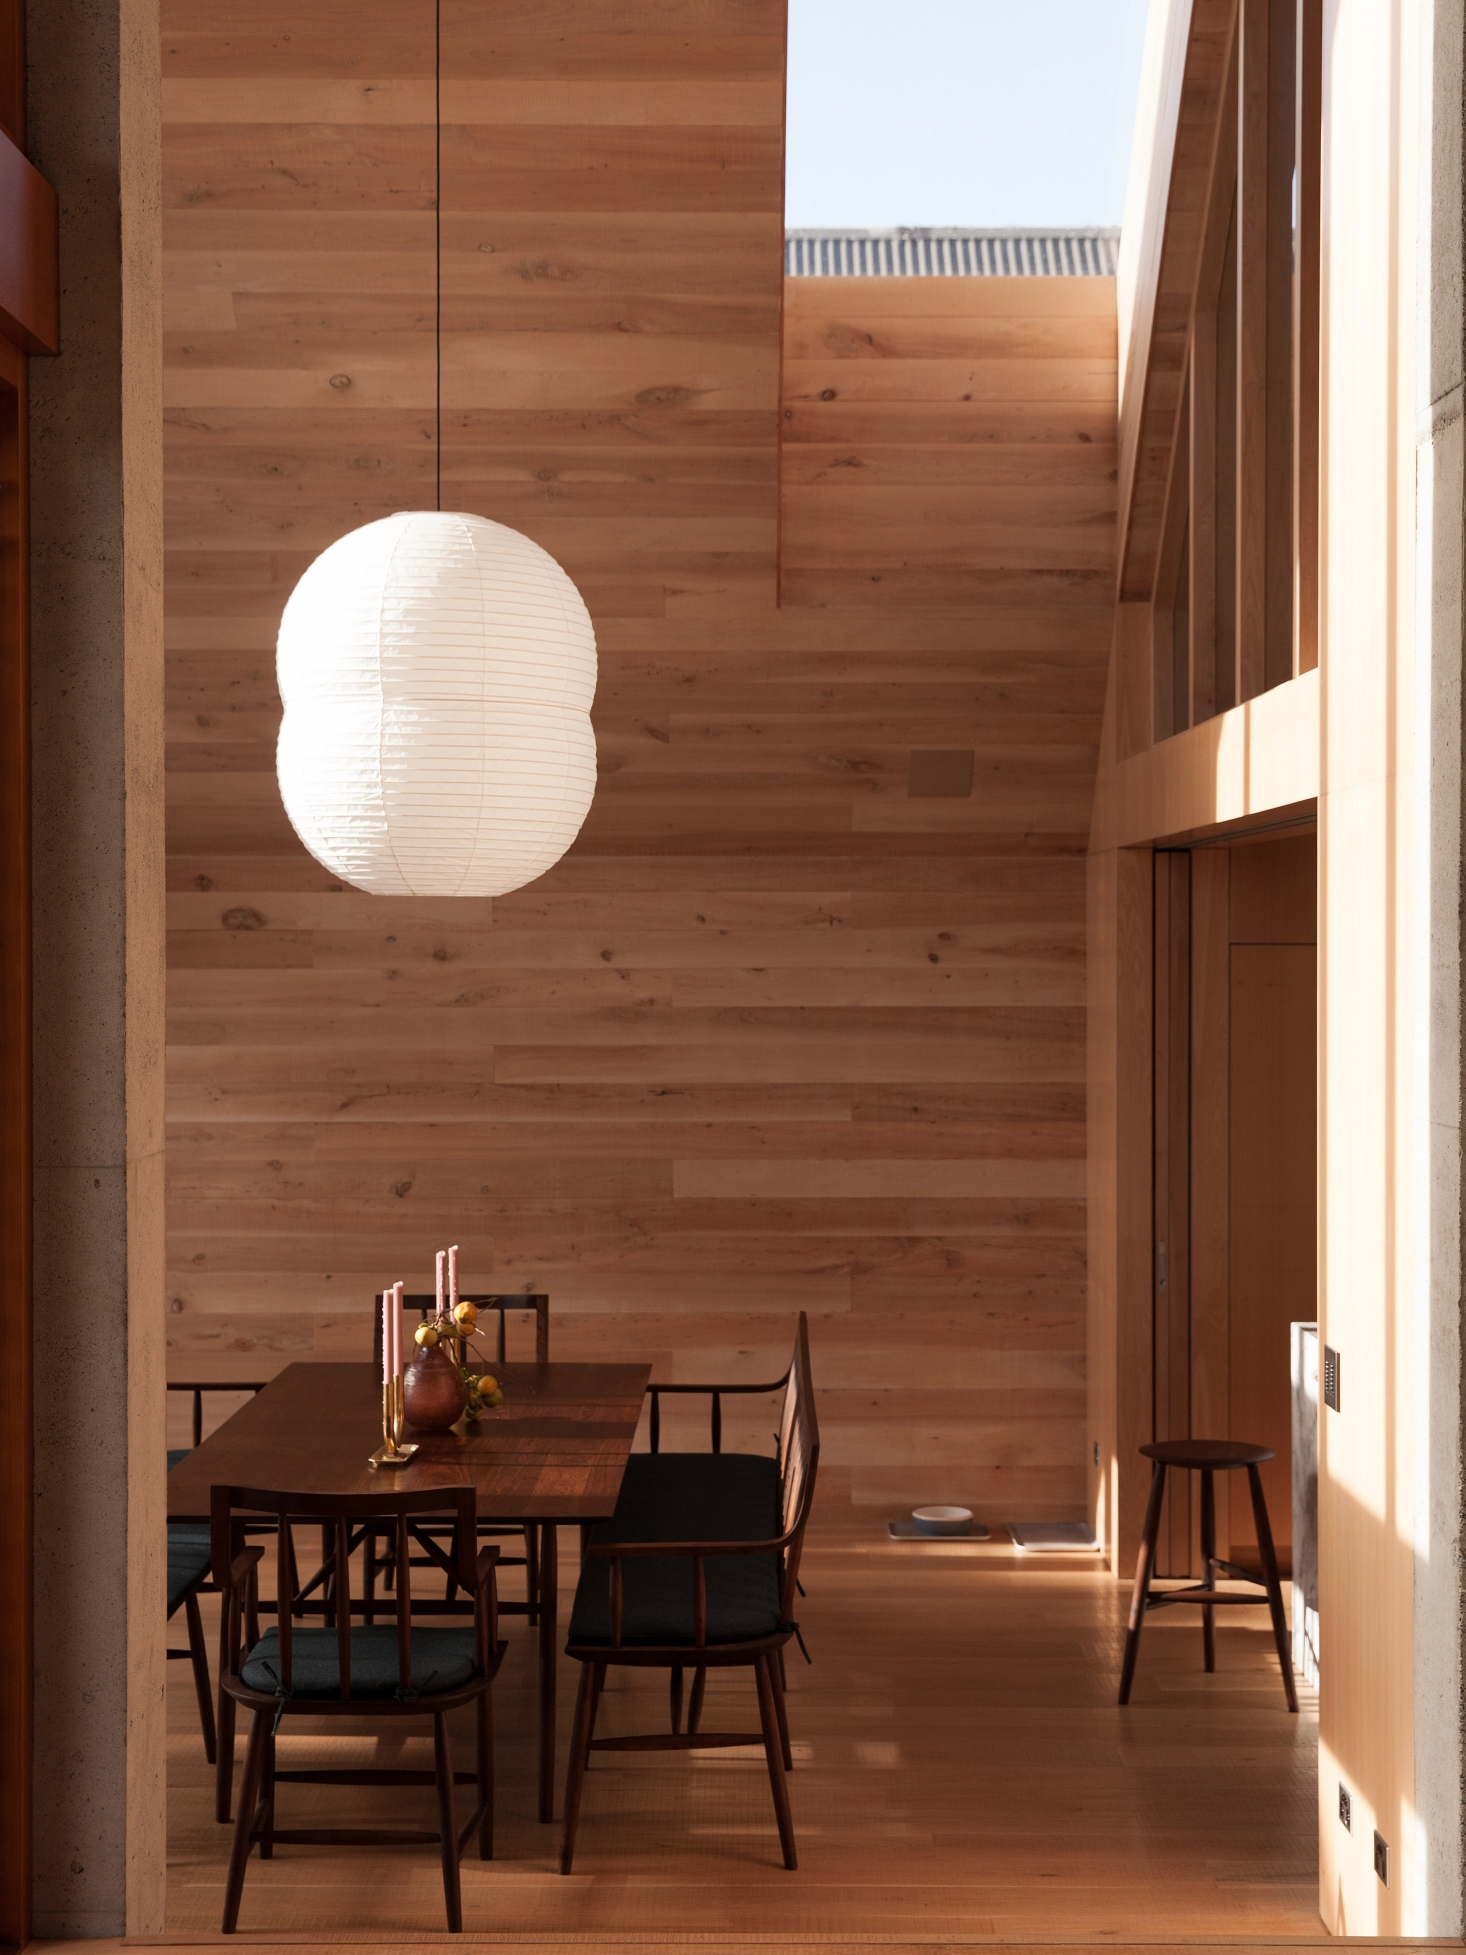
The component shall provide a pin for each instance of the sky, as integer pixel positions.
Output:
(982, 112)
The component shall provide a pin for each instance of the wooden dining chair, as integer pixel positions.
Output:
(379, 1671)
(699, 1567)
(188, 1565)
(421, 1308)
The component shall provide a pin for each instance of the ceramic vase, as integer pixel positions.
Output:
(434, 1395)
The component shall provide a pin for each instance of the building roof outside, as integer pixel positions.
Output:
(961, 251)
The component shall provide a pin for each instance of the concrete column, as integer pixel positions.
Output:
(1437, 961)
(96, 571)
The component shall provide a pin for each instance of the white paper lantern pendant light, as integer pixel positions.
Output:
(437, 671)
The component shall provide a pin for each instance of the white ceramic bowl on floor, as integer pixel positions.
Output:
(942, 1520)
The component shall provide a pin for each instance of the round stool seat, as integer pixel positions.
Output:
(1207, 1455)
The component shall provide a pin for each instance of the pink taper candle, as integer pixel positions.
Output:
(396, 1330)
(388, 1298)
(453, 1278)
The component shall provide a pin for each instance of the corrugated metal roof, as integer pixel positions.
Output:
(958, 252)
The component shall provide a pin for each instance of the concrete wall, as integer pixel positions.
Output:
(96, 568)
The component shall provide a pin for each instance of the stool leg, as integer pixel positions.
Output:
(1144, 1563)
(1273, 1585)
(1208, 1568)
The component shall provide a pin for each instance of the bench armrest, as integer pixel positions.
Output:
(717, 1394)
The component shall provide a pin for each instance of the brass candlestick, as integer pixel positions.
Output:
(392, 1452)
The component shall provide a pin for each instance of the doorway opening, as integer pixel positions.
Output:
(1235, 1169)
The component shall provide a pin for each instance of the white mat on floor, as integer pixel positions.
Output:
(1055, 1536)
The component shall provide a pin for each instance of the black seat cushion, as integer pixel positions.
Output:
(188, 1559)
(686, 1497)
(442, 1659)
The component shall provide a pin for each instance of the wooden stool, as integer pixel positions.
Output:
(1207, 1456)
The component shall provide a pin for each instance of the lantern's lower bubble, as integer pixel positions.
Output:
(437, 673)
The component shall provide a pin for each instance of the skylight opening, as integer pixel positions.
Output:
(960, 113)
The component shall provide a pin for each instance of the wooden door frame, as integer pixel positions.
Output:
(29, 302)
(15, 1163)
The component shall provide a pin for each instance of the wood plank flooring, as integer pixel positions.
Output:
(962, 1774)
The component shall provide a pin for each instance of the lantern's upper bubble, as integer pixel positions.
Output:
(437, 672)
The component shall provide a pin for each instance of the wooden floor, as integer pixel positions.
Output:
(962, 1774)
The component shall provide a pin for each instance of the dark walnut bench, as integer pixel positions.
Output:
(699, 1566)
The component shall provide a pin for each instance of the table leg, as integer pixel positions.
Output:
(549, 1626)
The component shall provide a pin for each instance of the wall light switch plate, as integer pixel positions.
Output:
(1382, 1859)
(1346, 1810)
(1330, 1378)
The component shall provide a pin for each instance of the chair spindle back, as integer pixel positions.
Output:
(342, 1518)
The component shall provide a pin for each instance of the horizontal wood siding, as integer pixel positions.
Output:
(950, 443)
(773, 1036)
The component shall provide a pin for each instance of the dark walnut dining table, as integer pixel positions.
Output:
(555, 1451)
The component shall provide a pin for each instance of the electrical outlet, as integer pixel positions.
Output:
(1346, 1810)
(1096, 1452)
(1330, 1378)
(1382, 1859)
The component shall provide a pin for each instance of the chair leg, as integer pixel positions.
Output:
(244, 1819)
(773, 1751)
(484, 1734)
(447, 1823)
(1208, 1568)
(532, 1572)
(694, 1706)
(199, 1657)
(224, 1763)
(586, 1703)
(266, 1827)
(783, 1714)
(1144, 1563)
(1274, 1586)
(676, 1693)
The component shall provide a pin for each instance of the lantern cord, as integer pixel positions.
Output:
(438, 244)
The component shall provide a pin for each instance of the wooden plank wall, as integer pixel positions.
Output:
(772, 1036)
(950, 443)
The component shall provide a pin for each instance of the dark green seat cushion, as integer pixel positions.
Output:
(188, 1559)
(442, 1659)
(177, 1453)
(686, 1497)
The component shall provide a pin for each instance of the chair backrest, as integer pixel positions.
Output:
(799, 1454)
(419, 1308)
(342, 1519)
(198, 1387)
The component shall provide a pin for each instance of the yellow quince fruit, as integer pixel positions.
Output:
(426, 1335)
